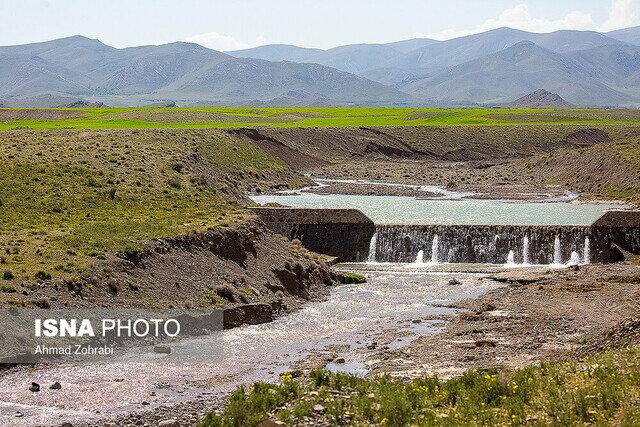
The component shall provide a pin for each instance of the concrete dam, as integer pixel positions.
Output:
(350, 236)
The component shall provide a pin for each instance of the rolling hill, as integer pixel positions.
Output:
(508, 74)
(186, 72)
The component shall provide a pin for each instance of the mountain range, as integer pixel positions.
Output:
(585, 68)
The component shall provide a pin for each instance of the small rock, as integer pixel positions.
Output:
(313, 393)
(416, 321)
(19, 415)
(145, 403)
(454, 282)
(319, 408)
(340, 360)
(55, 386)
(34, 387)
(169, 423)
(273, 423)
(162, 349)
(66, 425)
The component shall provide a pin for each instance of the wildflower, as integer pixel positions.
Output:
(383, 421)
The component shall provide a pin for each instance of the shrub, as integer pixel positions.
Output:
(7, 275)
(175, 182)
(42, 275)
(7, 289)
(350, 278)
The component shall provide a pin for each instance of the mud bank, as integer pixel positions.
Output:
(251, 272)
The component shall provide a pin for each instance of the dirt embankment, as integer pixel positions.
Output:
(504, 162)
(251, 272)
(306, 148)
(536, 316)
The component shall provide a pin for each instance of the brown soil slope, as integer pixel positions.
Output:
(309, 148)
(226, 267)
(305, 148)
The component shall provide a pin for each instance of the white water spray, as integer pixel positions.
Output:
(511, 258)
(587, 250)
(419, 258)
(435, 251)
(575, 258)
(525, 251)
(372, 248)
(557, 253)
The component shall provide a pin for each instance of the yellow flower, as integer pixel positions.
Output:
(383, 421)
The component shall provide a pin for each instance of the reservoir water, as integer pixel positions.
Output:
(409, 210)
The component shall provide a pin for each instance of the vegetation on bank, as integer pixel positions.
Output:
(111, 118)
(69, 198)
(603, 390)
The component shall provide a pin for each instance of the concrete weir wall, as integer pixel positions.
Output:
(343, 233)
(618, 227)
(347, 234)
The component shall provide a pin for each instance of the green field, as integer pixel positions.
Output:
(111, 118)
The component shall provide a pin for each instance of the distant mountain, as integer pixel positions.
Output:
(585, 68)
(464, 49)
(512, 72)
(277, 52)
(594, 93)
(406, 46)
(540, 99)
(629, 35)
(187, 72)
(24, 75)
(249, 79)
(509, 73)
(355, 58)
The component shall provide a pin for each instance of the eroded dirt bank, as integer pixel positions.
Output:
(227, 267)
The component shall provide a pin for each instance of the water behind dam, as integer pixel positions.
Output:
(409, 210)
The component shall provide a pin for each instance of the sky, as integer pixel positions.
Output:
(238, 24)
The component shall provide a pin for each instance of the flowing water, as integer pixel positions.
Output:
(352, 317)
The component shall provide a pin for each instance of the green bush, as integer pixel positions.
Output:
(7, 289)
(350, 278)
(7, 275)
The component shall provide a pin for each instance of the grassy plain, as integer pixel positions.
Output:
(113, 118)
(604, 390)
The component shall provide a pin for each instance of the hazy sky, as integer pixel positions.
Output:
(236, 24)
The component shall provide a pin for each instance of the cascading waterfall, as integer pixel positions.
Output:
(479, 244)
(575, 258)
(557, 251)
(419, 257)
(435, 255)
(372, 247)
(511, 258)
(525, 251)
(587, 250)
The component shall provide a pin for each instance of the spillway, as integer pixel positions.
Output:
(481, 244)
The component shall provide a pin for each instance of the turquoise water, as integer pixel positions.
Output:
(408, 210)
